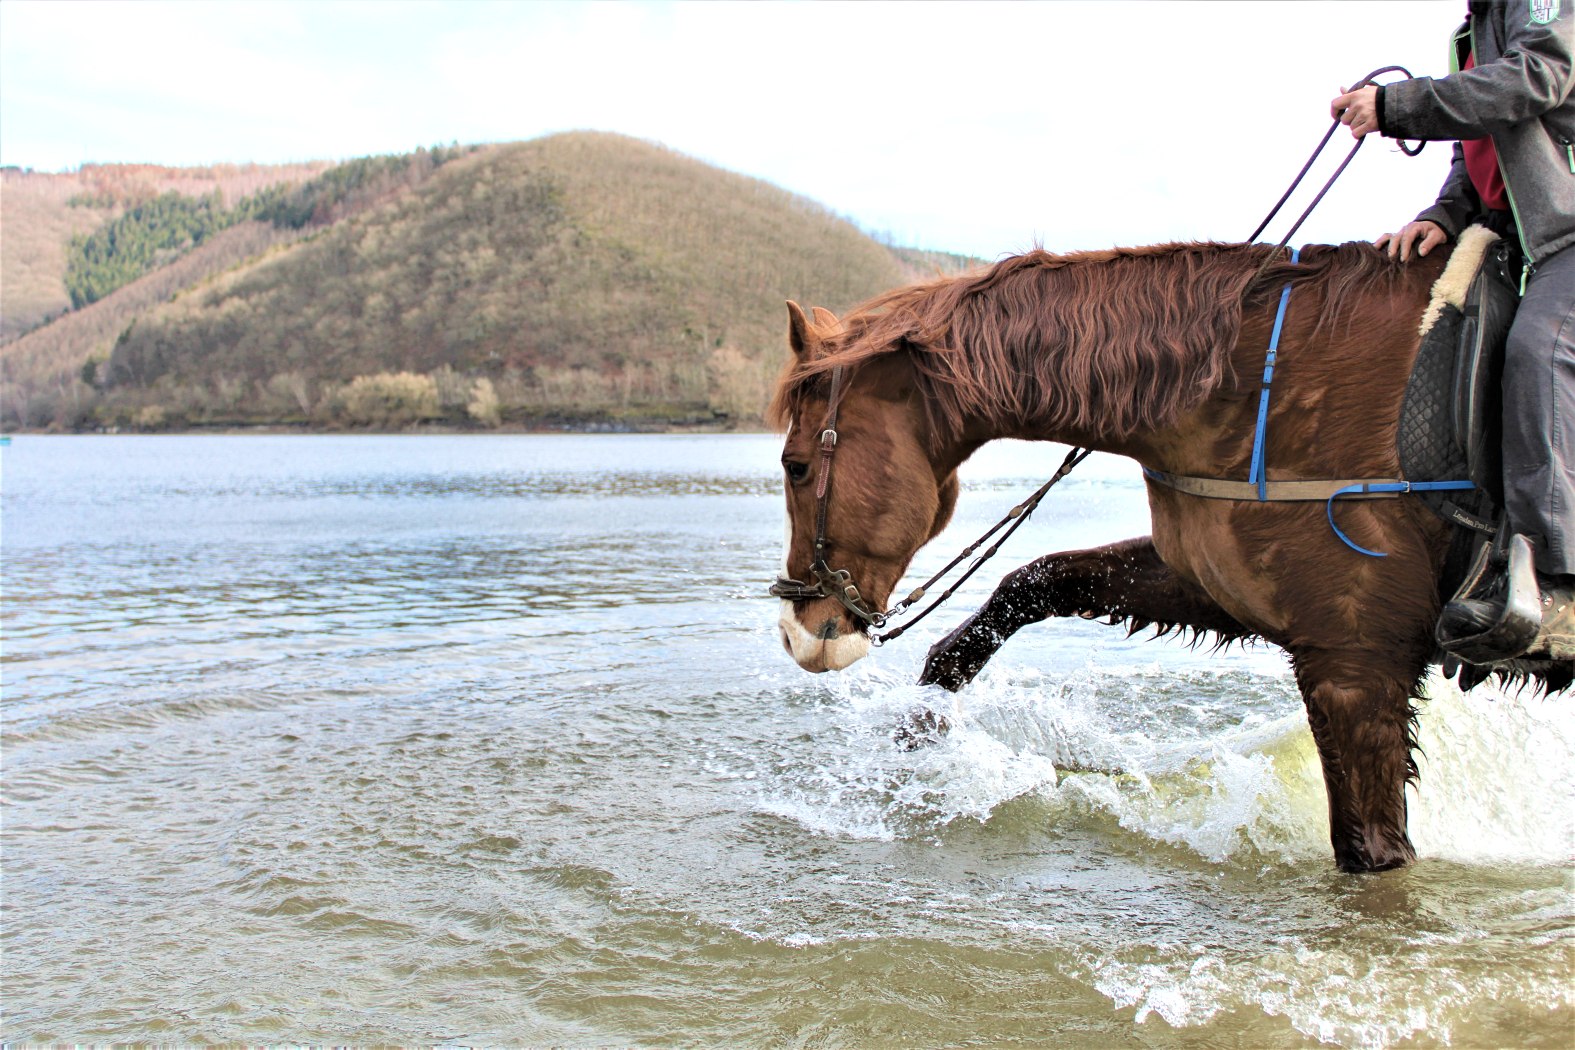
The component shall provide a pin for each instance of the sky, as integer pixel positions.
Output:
(981, 128)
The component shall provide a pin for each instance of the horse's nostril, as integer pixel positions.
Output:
(787, 643)
(828, 631)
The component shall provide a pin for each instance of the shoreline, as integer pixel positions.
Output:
(425, 430)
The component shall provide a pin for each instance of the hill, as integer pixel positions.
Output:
(577, 277)
(163, 230)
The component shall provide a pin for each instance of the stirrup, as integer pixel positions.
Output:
(1520, 620)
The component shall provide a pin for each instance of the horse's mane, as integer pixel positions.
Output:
(1103, 342)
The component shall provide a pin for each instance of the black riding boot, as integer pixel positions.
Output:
(1522, 613)
(1466, 618)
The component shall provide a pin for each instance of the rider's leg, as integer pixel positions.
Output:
(1539, 458)
(1539, 416)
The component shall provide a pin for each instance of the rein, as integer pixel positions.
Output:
(1327, 186)
(1257, 488)
(1016, 516)
(838, 584)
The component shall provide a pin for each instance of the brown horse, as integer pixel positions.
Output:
(1155, 354)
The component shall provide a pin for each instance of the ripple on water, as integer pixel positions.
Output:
(397, 753)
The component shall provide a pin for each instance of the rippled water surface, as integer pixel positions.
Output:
(490, 740)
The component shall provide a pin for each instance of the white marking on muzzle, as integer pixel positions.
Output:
(815, 653)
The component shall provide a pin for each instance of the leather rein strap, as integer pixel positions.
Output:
(1014, 518)
(838, 584)
(1409, 151)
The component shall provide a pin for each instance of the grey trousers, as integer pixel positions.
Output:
(1539, 415)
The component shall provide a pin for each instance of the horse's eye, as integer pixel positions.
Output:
(796, 471)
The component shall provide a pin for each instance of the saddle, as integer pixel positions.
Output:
(1451, 426)
(1451, 422)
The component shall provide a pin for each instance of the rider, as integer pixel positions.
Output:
(1508, 103)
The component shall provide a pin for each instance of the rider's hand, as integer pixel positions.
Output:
(1357, 110)
(1423, 236)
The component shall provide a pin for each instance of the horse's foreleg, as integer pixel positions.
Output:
(1362, 718)
(1125, 581)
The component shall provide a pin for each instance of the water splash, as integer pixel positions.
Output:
(1219, 764)
(1145, 748)
(1496, 781)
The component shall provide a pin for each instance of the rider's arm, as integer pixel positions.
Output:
(1534, 74)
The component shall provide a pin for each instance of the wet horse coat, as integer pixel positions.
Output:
(1155, 354)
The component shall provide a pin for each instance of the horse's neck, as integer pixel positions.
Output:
(1094, 357)
(999, 422)
(1319, 368)
(1149, 361)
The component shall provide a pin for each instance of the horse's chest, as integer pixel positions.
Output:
(1203, 542)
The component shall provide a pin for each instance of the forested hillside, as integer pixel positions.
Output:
(41, 214)
(572, 279)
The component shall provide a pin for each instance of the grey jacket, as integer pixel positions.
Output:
(1520, 93)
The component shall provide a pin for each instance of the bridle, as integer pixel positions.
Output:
(838, 584)
(828, 582)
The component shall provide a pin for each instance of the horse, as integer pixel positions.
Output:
(1153, 353)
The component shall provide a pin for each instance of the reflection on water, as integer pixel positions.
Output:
(489, 740)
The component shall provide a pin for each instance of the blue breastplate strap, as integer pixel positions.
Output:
(1255, 473)
(1258, 488)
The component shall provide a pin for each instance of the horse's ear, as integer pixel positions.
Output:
(801, 332)
(825, 318)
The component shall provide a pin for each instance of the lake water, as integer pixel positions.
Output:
(490, 740)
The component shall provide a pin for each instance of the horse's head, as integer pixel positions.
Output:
(863, 494)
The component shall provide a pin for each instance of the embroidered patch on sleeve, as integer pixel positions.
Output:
(1544, 11)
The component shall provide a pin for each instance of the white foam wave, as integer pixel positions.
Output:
(1336, 996)
(1220, 764)
(1219, 806)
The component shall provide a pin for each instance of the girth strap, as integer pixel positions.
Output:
(1314, 491)
(1259, 489)
(1323, 490)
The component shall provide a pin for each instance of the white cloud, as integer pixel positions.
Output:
(978, 127)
